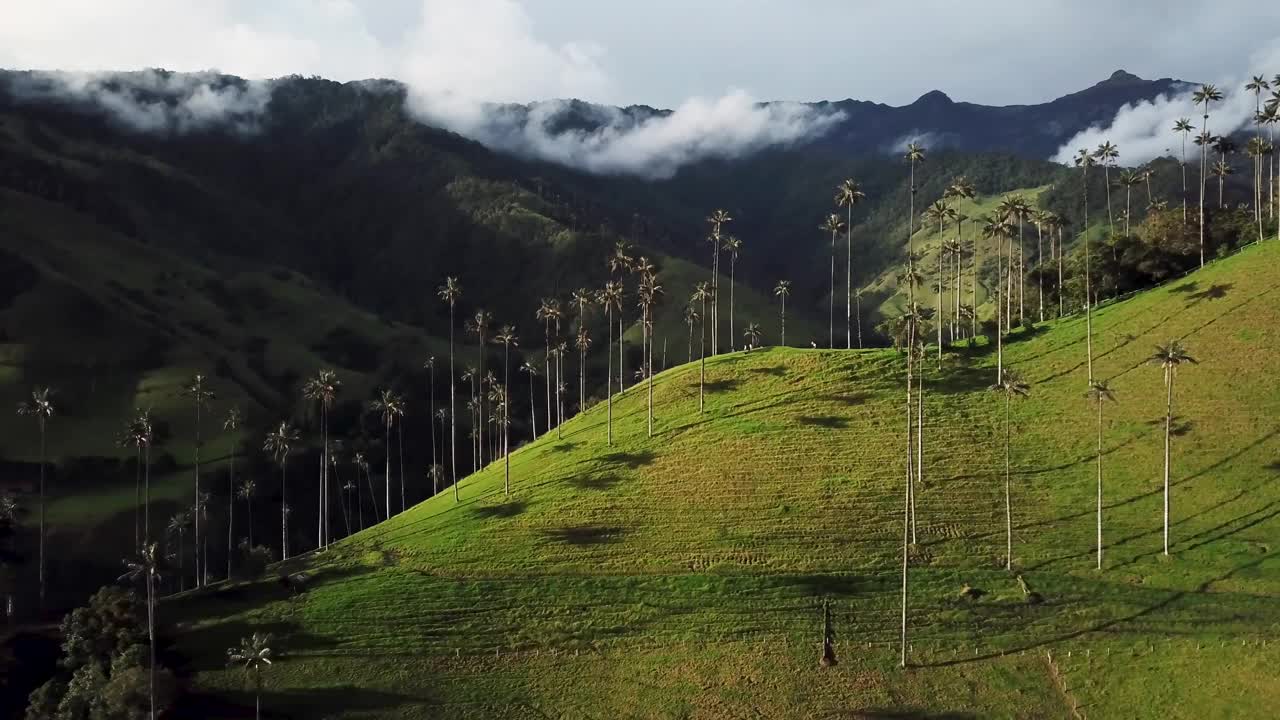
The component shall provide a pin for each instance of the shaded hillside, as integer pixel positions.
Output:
(684, 575)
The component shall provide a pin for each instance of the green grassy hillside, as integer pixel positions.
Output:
(683, 575)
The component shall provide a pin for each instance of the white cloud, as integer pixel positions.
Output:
(459, 60)
(1144, 131)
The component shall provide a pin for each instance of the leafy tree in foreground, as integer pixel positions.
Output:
(1169, 357)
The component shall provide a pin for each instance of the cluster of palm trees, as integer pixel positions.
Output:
(910, 329)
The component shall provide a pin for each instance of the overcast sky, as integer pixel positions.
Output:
(658, 52)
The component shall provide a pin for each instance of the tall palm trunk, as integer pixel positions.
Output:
(137, 500)
(41, 573)
(784, 324)
(919, 467)
(702, 359)
(1022, 266)
(831, 299)
(733, 342)
(151, 638)
(453, 418)
(1100, 400)
(284, 511)
(547, 359)
(506, 425)
(1168, 422)
(906, 500)
(1039, 263)
(231, 509)
(1059, 253)
(649, 368)
(400, 457)
(1008, 504)
(848, 278)
(608, 385)
(1106, 174)
(941, 230)
(1184, 177)
(582, 379)
(1204, 168)
(197, 536)
(386, 477)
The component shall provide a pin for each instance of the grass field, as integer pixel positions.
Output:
(683, 575)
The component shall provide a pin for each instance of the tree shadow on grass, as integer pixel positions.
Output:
(564, 446)
(586, 535)
(213, 640)
(595, 482)
(850, 399)
(1186, 287)
(1213, 292)
(718, 386)
(772, 371)
(290, 703)
(905, 714)
(960, 380)
(830, 585)
(830, 422)
(628, 460)
(502, 510)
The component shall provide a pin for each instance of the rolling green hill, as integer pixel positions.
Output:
(684, 575)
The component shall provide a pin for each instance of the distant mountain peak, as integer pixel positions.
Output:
(1123, 76)
(933, 97)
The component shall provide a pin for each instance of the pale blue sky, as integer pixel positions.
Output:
(661, 52)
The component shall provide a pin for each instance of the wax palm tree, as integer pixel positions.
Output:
(1084, 160)
(506, 337)
(1011, 385)
(717, 220)
(1128, 179)
(479, 325)
(752, 336)
(690, 317)
(231, 424)
(139, 433)
(915, 154)
(650, 290)
(200, 396)
(583, 298)
(611, 299)
(996, 228)
(583, 343)
(733, 246)
(178, 526)
(430, 367)
(1100, 393)
(1220, 170)
(248, 491)
(1169, 357)
(1107, 154)
(323, 389)
(390, 407)
(939, 212)
(1257, 149)
(528, 368)
(279, 444)
(848, 194)
(702, 292)
(40, 406)
(1206, 95)
(449, 292)
(1184, 127)
(782, 290)
(833, 225)
(959, 190)
(910, 324)
(620, 263)
(146, 567)
(547, 311)
(253, 655)
(361, 464)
